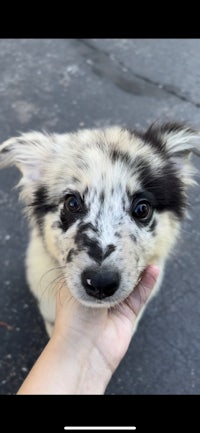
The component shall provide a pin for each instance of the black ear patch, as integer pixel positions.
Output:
(156, 134)
(153, 137)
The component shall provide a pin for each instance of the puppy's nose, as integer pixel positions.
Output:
(100, 283)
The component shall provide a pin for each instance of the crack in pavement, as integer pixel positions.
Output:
(126, 79)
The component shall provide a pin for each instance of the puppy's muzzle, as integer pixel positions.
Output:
(100, 283)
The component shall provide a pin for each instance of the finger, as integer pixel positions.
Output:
(143, 290)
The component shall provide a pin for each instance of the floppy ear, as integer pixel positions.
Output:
(29, 152)
(178, 141)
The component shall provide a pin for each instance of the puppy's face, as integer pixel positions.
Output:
(106, 202)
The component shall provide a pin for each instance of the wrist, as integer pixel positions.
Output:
(83, 369)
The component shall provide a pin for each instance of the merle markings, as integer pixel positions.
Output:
(102, 197)
(117, 155)
(94, 249)
(109, 250)
(133, 237)
(85, 226)
(41, 204)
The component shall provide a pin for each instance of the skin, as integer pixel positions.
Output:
(87, 344)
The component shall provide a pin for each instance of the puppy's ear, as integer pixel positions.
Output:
(177, 141)
(29, 152)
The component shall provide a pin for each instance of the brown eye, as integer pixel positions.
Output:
(73, 204)
(142, 210)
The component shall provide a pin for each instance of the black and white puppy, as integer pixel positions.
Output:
(102, 205)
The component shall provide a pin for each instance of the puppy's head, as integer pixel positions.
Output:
(106, 202)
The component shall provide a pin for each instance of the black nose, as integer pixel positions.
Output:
(100, 283)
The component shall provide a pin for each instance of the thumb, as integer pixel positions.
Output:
(139, 297)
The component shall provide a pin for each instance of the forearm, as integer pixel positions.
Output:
(87, 344)
(61, 369)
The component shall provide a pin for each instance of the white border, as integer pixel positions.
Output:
(100, 428)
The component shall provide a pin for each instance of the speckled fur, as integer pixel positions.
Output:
(102, 165)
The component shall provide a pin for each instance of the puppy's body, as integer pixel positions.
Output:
(102, 206)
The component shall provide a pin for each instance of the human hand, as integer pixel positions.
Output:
(99, 337)
(87, 343)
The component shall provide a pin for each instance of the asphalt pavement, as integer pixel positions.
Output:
(64, 84)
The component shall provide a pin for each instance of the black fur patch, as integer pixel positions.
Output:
(117, 155)
(5, 150)
(155, 134)
(85, 226)
(68, 218)
(102, 197)
(133, 237)
(165, 187)
(124, 203)
(109, 250)
(66, 222)
(153, 137)
(118, 235)
(75, 179)
(92, 246)
(94, 250)
(85, 192)
(41, 204)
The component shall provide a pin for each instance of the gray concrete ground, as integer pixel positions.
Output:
(61, 85)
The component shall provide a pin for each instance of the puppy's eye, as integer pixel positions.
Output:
(142, 210)
(73, 203)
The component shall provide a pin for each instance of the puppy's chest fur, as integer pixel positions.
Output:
(102, 206)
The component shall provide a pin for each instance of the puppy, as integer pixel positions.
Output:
(102, 205)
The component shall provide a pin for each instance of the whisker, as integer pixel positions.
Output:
(52, 284)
